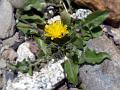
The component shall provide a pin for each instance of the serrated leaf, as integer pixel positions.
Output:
(92, 57)
(26, 29)
(33, 18)
(42, 45)
(23, 25)
(95, 19)
(71, 71)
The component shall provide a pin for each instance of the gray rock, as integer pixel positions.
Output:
(113, 32)
(9, 75)
(105, 76)
(12, 40)
(9, 54)
(2, 63)
(18, 3)
(7, 21)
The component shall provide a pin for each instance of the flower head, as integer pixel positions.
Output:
(56, 30)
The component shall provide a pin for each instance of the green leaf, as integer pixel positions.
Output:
(42, 45)
(32, 1)
(77, 57)
(65, 16)
(13, 67)
(81, 59)
(23, 68)
(37, 4)
(27, 29)
(23, 25)
(71, 71)
(95, 19)
(78, 42)
(30, 71)
(19, 64)
(85, 34)
(96, 32)
(92, 57)
(33, 18)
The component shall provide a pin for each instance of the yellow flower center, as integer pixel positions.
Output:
(56, 30)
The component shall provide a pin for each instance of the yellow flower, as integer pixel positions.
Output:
(56, 30)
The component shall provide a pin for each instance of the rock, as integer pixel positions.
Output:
(24, 52)
(114, 33)
(3, 63)
(12, 40)
(113, 6)
(46, 79)
(9, 54)
(105, 76)
(81, 13)
(18, 3)
(7, 21)
(9, 75)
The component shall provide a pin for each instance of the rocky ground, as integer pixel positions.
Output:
(105, 76)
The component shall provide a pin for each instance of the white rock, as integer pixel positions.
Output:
(43, 80)
(81, 13)
(56, 18)
(7, 21)
(24, 52)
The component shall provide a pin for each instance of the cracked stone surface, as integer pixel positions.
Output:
(105, 76)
